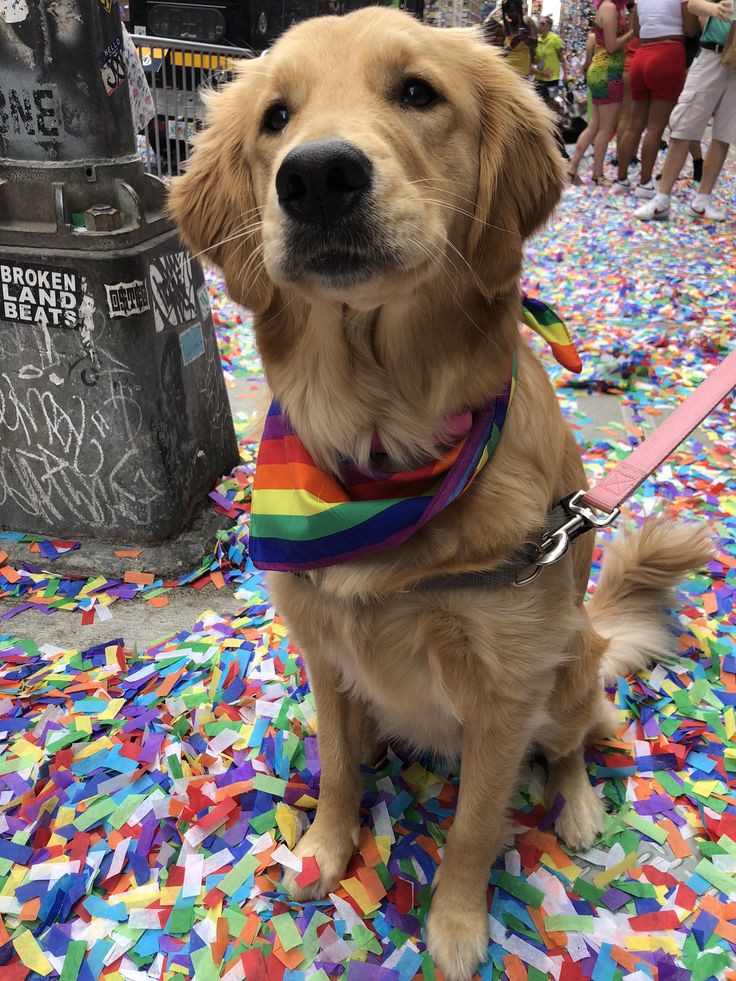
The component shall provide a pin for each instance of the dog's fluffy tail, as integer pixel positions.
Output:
(635, 591)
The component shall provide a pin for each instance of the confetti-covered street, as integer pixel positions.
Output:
(151, 795)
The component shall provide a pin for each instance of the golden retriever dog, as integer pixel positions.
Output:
(366, 189)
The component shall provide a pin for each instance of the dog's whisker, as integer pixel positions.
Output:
(435, 257)
(442, 270)
(243, 229)
(239, 246)
(254, 264)
(243, 233)
(454, 248)
(284, 308)
(453, 287)
(444, 180)
(254, 255)
(461, 197)
(461, 211)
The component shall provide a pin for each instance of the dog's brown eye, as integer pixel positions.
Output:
(275, 119)
(418, 94)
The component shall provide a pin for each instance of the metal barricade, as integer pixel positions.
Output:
(178, 72)
(450, 13)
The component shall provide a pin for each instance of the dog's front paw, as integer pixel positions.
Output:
(332, 851)
(581, 819)
(457, 933)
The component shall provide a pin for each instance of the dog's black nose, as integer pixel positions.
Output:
(320, 182)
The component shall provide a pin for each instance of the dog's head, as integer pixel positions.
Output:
(363, 154)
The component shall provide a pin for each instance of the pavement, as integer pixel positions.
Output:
(136, 621)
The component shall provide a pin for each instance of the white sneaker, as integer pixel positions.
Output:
(645, 191)
(652, 212)
(708, 211)
(621, 187)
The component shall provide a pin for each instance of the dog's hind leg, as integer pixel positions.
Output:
(578, 710)
(581, 820)
(333, 836)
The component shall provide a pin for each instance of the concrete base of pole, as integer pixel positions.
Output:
(167, 560)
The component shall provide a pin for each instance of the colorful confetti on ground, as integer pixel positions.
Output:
(150, 800)
(626, 287)
(236, 340)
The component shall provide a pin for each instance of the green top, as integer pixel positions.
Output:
(716, 31)
(548, 51)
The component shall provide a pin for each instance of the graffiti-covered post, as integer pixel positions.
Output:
(114, 420)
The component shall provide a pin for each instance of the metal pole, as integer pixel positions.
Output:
(114, 420)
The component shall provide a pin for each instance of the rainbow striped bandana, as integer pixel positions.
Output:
(303, 518)
(544, 321)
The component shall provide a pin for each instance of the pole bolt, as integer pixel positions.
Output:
(102, 218)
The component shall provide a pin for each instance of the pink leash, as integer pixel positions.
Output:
(623, 480)
(583, 508)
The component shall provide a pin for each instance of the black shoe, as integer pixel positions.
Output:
(698, 170)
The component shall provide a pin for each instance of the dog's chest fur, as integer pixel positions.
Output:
(419, 663)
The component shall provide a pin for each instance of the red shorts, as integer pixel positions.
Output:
(658, 71)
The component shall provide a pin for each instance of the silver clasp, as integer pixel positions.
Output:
(553, 547)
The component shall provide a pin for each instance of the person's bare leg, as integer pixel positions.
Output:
(584, 141)
(624, 116)
(608, 117)
(629, 141)
(658, 207)
(713, 165)
(659, 114)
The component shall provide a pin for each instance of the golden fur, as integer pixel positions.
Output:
(483, 675)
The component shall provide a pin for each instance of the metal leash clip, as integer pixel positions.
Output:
(553, 546)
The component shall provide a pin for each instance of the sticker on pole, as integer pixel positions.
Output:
(127, 299)
(47, 296)
(172, 290)
(107, 4)
(112, 66)
(13, 11)
(204, 301)
(192, 344)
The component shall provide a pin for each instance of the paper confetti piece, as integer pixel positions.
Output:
(31, 954)
(310, 872)
(566, 923)
(287, 932)
(73, 960)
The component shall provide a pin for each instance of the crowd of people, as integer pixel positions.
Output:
(650, 66)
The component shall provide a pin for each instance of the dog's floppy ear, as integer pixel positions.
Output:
(520, 176)
(214, 205)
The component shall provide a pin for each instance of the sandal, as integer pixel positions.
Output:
(572, 178)
(601, 181)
